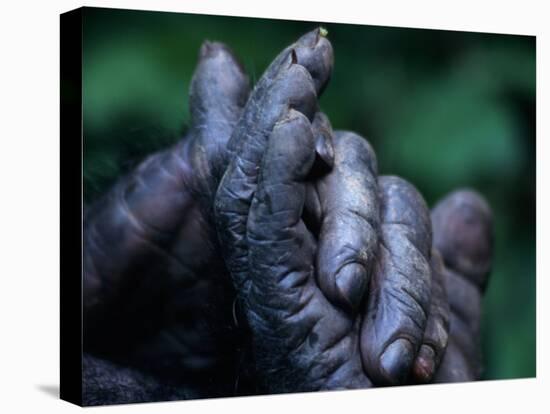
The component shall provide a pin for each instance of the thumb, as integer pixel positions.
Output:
(219, 90)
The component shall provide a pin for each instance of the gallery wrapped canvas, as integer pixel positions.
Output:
(254, 206)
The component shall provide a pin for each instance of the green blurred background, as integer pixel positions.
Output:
(442, 109)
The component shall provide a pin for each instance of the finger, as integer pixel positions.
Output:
(436, 334)
(219, 90)
(281, 256)
(280, 253)
(324, 148)
(323, 164)
(399, 295)
(348, 238)
(293, 87)
(462, 225)
(314, 53)
(463, 233)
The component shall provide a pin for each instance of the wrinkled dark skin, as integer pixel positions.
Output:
(302, 341)
(156, 292)
(330, 262)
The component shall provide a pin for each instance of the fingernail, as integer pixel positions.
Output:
(424, 366)
(325, 150)
(314, 52)
(206, 49)
(396, 361)
(212, 49)
(309, 39)
(351, 281)
(291, 115)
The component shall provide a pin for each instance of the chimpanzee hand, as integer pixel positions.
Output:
(360, 234)
(153, 283)
(156, 292)
(303, 256)
(154, 279)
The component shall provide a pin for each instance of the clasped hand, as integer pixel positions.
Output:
(265, 236)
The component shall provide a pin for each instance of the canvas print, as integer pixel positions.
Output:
(276, 206)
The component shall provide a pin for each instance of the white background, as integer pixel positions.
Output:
(29, 204)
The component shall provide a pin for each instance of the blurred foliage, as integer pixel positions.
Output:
(442, 109)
